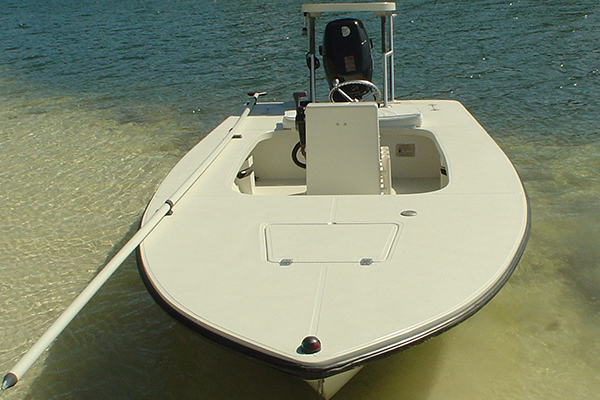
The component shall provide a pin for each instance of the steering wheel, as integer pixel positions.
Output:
(372, 91)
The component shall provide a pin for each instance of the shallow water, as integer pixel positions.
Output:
(99, 99)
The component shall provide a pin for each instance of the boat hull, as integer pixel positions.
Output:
(257, 267)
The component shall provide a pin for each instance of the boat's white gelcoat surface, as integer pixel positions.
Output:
(218, 259)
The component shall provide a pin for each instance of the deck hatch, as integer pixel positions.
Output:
(330, 243)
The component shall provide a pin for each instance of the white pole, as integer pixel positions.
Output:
(12, 377)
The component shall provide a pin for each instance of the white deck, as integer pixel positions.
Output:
(216, 259)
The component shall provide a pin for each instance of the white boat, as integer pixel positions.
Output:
(319, 236)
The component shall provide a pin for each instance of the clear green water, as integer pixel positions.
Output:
(99, 99)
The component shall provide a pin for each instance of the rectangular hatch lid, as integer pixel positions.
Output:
(330, 242)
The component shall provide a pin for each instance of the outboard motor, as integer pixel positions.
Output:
(347, 55)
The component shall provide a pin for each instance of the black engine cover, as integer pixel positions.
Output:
(347, 53)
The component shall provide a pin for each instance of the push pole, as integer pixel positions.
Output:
(13, 376)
